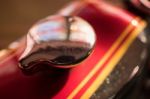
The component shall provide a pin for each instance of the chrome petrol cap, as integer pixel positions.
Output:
(60, 41)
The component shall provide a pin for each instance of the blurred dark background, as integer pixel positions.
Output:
(17, 16)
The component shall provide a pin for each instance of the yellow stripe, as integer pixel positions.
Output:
(11, 48)
(102, 61)
(3, 53)
(114, 60)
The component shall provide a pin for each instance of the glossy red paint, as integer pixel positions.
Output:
(108, 21)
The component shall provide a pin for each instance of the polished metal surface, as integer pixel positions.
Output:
(59, 41)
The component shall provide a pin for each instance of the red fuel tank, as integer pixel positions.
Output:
(117, 56)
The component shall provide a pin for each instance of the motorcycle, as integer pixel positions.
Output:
(88, 49)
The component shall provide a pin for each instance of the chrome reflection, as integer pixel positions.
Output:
(60, 41)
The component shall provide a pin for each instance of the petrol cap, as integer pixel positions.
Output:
(58, 41)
